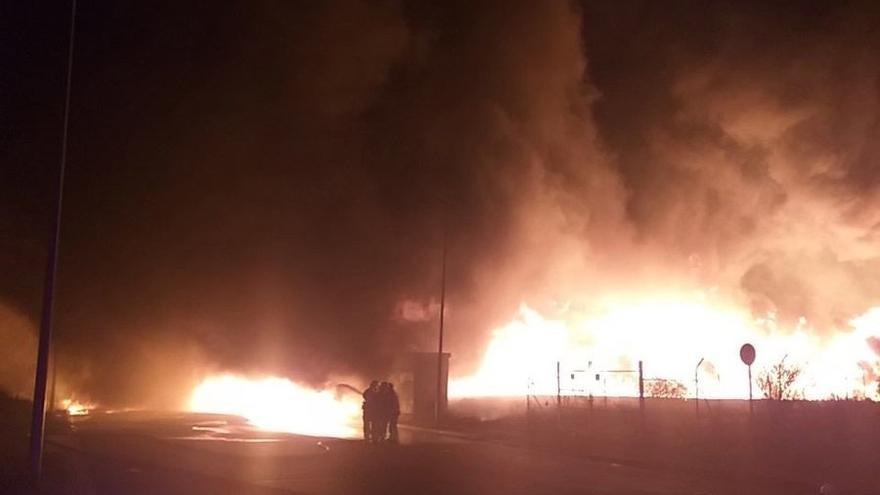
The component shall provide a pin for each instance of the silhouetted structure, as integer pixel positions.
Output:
(416, 376)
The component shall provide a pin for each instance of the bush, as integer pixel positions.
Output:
(666, 389)
(778, 382)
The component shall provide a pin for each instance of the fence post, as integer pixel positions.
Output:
(591, 380)
(697, 386)
(641, 391)
(558, 387)
(641, 382)
(605, 392)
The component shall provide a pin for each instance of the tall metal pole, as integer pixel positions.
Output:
(53, 367)
(641, 391)
(439, 398)
(641, 382)
(558, 386)
(528, 399)
(38, 419)
(558, 396)
(697, 384)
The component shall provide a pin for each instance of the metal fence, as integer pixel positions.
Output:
(565, 385)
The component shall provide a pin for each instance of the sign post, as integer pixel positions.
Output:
(747, 354)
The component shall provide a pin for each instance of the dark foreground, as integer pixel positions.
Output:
(189, 454)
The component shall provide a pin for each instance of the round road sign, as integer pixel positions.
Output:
(747, 354)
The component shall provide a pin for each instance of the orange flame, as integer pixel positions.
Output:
(75, 408)
(670, 334)
(278, 404)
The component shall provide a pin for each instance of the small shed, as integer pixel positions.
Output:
(415, 377)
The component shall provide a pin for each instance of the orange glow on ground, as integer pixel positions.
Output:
(278, 404)
(670, 334)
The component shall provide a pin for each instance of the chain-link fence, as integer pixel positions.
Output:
(586, 385)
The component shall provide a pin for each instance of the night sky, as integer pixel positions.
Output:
(265, 186)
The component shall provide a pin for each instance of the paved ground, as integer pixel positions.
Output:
(186, 454)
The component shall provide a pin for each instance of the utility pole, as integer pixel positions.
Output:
(437, 401)
(38, 418)
(53, 366)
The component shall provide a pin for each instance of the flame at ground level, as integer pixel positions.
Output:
(278, 404)
(598, 351)
(75, 408)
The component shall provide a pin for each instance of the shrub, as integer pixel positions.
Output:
(778, 382)
(667, 389)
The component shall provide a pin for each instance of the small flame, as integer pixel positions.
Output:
(278, 404)
(75, 408)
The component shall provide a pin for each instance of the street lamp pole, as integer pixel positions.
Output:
(38, 419)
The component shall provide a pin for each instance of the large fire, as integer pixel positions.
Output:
(278, 404)
(599, 350)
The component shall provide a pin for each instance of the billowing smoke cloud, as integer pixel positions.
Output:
(751, 143)
(18, 338)
(267, 188)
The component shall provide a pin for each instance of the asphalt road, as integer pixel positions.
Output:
(188, 454)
